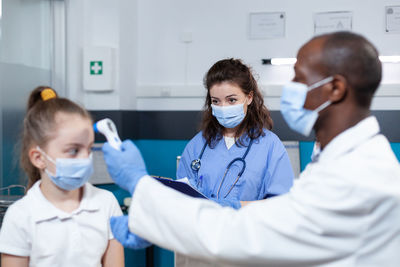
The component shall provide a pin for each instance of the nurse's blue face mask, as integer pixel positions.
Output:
(71, 173)
(293, 98)
(229, 116)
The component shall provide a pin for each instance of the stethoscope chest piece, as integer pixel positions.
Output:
(195, 165)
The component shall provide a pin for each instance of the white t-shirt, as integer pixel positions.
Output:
(229, 141)
(34, 227)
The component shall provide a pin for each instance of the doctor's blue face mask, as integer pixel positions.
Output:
(71, 173)
(229, 116)
(293, 98)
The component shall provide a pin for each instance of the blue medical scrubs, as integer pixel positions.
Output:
(268, 169)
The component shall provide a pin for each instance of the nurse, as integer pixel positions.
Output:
(235, 157)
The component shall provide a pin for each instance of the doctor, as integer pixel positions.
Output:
(235, 157)
(343, 211)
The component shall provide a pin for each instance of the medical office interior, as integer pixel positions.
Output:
(141, 64)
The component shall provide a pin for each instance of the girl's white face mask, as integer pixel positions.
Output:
(71, 173)
(293, 98)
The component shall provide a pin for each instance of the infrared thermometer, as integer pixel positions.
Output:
(108, 129)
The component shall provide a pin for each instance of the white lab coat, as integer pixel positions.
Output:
(343, 211)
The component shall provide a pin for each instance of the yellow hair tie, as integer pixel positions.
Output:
(47, 94)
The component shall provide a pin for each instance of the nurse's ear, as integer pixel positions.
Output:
(249, 98)
(36, 158)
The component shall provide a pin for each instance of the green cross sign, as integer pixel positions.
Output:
(96, 67)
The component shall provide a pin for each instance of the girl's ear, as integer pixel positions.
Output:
(36, 158)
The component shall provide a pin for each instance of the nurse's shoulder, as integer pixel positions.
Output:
(196, 144)
(271, 141)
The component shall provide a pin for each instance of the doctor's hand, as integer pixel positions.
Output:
(120, 230)
(126, 167)
(228, 202)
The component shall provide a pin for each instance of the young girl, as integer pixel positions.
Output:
(62, 220)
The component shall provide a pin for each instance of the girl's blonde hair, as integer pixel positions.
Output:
(40, 125)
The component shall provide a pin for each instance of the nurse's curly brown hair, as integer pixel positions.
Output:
(257, 117)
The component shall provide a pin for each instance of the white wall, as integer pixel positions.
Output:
(158, 71)
(25, 62)
(90, 23)
(25, 33)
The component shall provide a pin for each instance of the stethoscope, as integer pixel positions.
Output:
(196, 164)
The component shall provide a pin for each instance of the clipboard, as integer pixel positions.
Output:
(180, 186)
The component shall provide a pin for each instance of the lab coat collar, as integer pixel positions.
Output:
(45, 210)
(350, 139)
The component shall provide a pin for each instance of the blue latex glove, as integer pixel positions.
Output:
(120, 230)
(233, 203)
(125, 167)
